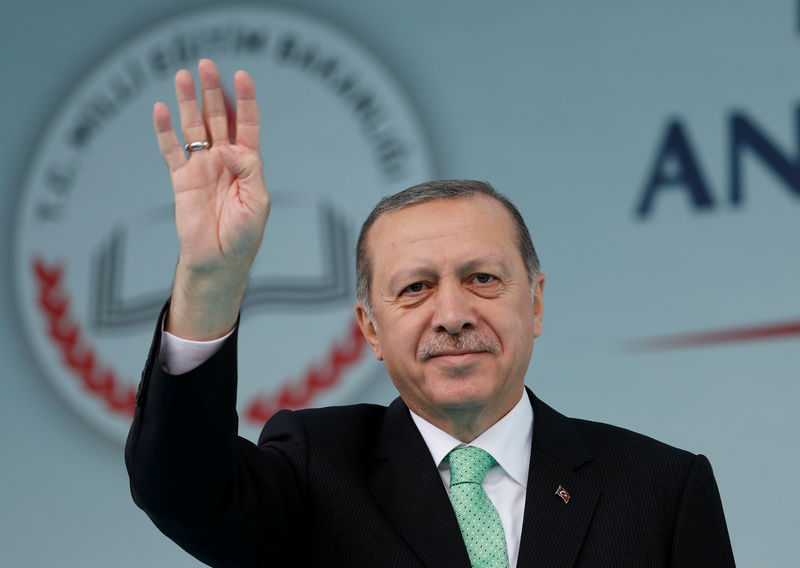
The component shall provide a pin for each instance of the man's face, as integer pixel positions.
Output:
(454, 320)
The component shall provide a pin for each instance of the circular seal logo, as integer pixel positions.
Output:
(95, 245)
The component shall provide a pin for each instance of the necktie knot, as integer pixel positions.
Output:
(469, 465)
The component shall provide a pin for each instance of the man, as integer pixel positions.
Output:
(450, 298)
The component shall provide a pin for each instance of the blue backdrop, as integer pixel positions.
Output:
(654, 150)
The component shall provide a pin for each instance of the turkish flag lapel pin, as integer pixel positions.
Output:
(561, 492)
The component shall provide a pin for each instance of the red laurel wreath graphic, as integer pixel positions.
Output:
(318, 378)
(102, 383)
(81, 359)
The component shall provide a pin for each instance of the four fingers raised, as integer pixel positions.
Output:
(210, 123)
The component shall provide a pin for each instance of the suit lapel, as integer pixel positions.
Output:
(553, 530)
(407, 486)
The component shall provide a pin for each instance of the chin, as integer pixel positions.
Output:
(464, 398)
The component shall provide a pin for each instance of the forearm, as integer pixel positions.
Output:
(180, 451)
(202, 485)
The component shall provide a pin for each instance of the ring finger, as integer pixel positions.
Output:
(192, 124)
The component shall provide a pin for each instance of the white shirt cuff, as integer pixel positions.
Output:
(178, 356)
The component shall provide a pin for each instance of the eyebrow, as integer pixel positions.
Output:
(412, 274)
(489, 260)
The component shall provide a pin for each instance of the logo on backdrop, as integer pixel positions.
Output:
(677, 165)
(677, 172)
(95, 244)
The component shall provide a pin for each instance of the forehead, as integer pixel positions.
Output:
(463, 225)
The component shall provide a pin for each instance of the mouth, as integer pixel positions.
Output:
(456, 348)
(454, 356)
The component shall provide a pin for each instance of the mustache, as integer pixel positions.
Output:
(465, 342)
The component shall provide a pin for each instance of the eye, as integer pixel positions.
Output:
(414, 288)
(484, 278)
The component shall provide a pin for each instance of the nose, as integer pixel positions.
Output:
(453, 312)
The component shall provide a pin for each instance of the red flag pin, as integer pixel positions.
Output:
(561, 492)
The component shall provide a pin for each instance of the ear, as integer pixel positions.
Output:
(538, 304)
(369, 330)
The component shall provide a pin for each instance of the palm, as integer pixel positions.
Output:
(214, 219)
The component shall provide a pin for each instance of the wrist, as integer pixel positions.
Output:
(205, 302)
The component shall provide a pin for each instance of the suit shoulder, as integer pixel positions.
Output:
(324, 445)
(575, 441)
(326, 425)
(607, 438)
(628, 459)
(342, 420)
(603, 435)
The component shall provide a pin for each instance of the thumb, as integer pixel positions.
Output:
(242, 165)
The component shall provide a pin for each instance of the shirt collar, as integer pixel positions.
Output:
(508, 440)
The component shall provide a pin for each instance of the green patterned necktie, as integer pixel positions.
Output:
(480, 524)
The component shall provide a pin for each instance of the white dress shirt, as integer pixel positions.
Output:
(509, 443)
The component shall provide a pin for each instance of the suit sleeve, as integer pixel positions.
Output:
(221, 498)
(701, 534)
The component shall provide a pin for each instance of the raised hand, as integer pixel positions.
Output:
(221, 203)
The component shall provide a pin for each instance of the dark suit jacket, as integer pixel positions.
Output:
(356, 486)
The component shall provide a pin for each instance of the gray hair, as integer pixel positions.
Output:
(432, 191)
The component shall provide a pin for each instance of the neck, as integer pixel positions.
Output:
(466, 424)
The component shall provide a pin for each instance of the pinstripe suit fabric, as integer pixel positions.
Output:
(356, 486)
